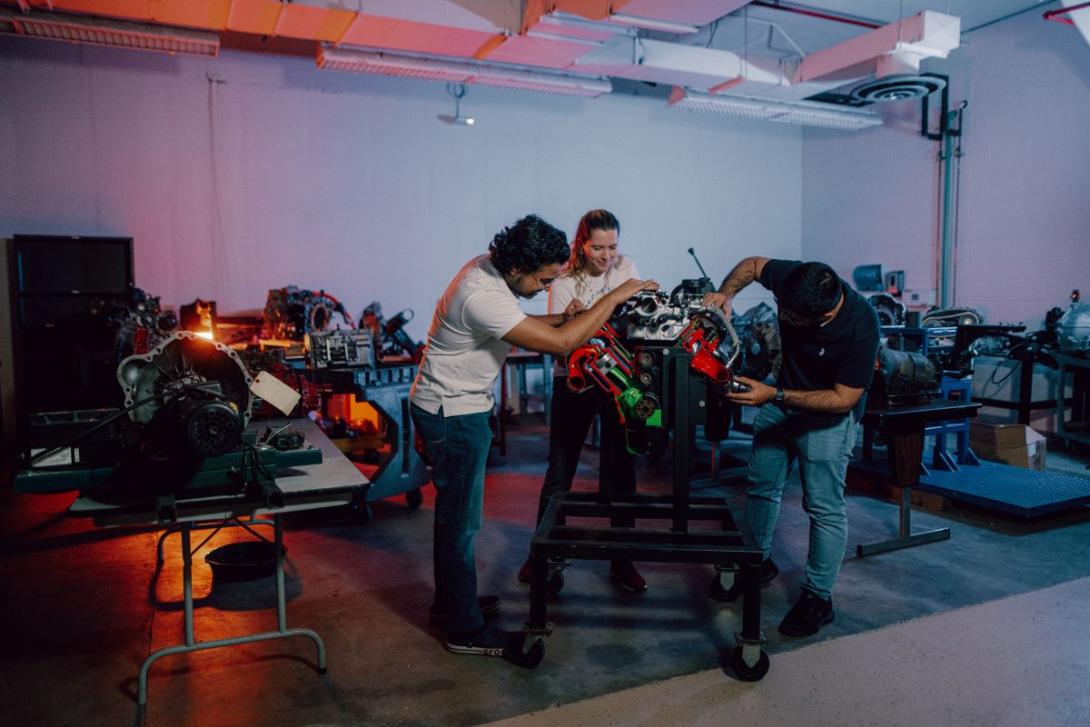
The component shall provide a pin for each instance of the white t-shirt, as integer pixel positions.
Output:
(465, 348)
(588, 290)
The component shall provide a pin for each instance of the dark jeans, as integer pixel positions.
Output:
(570, 418)
(458, 447)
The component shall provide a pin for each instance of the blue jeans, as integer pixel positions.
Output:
(822, 446)
(458, 448)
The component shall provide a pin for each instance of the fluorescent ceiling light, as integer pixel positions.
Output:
(803, 113)
(664, 26)
(115, 33)
(461, 72)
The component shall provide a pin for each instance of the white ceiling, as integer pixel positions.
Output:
(765, 44)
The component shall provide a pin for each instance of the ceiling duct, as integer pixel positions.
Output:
(115, 33)
(461, 72)
(898, 87)
(1073, 12)
(892, 54)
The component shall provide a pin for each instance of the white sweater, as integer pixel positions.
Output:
(588, 290)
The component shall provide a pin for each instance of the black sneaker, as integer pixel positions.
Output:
(487, 604)
(808, 615)
(769, 571)
(485, 641)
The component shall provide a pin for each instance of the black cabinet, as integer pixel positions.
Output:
(64, 356)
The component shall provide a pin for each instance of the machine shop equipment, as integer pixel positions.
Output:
(390, 336)
(667, 362)
(341, 348)
(182, 432)
(291, 313)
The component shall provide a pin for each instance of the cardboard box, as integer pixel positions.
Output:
(1013, 444)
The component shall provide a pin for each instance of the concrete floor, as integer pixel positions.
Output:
(81, 618)
(1018, 661)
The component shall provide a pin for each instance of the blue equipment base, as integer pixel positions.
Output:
(1017, 491)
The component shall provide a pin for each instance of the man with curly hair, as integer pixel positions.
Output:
(475, 324)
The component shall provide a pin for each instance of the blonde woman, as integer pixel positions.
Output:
(595, 268)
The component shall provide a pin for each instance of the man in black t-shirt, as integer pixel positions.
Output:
(829, 335)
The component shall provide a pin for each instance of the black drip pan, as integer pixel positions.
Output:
(244, 561)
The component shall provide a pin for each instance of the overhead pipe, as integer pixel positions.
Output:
(814, 13)
(1057, 15)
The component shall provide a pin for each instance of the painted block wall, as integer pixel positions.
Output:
(249, 172)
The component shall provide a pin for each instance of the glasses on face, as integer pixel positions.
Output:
(795, 320)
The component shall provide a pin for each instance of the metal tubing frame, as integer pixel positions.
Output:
(732, 548)
(909, 437)
(191, 643)
(905, 537)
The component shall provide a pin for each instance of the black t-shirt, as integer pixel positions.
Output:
(841, 352)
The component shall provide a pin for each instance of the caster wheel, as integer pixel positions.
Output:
(727, 594)
(414, 498)
(555, 583)
(363, 512)
(744, 671)
(526, 651)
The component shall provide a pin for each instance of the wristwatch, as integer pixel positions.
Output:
(779, 396)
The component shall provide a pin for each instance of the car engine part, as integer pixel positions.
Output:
(342, 347)
(758, 331)
(627, 357)
(941, 317)
(391, 335)
(1073, 329)
(141, 322)
(188, 393)
(890, 311)
(904, 377)
(291, 313)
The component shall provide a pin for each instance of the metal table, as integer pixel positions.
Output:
(902, 428)
(329, 484)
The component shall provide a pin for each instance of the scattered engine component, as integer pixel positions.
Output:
(904, 377)
(758, 330)
(941, 317)
(1073, 327)
(291, 313)
(188, 394)
(341, 348)
(141, 322)
(890, 311)
(285, 438)
(394, 340)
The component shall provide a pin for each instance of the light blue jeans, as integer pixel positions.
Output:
(822, 446)
(458, 447)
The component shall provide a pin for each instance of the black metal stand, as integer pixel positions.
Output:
(903, 430)
(730, 548)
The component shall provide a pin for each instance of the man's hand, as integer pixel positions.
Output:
(630, 287)
(574, 308)
(717, 300)
(759, 393)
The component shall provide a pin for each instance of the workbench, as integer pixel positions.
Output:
(331, 483)
(902, 429)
